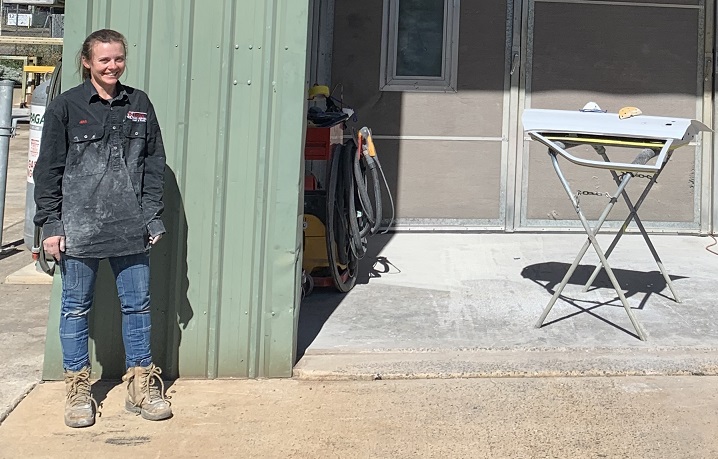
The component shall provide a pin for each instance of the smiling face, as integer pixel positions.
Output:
(106, 66)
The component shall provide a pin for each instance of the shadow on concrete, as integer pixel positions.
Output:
(550, 274)
(11, 248)
(314, 312)
(101, 388)
(589, 310)
(8, 252)
(319, 306)
(374, 265)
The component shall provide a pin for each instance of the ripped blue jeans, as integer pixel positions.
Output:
(132, 276)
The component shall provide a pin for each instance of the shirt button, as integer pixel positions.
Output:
(114, 148)
(85, 136)
(136, 133)
(114, 127)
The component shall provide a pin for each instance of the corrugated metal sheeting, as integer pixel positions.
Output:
(227, 79)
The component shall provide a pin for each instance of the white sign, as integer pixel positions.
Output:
(22, 20)
(37, 120)
(32, 2)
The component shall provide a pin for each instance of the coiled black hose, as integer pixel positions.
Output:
(366, 172)
(360, 177)
(340, 256)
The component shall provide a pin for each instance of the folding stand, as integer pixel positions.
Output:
(561, 130)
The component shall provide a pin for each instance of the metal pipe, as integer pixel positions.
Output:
(6, 87)
(591, 232)
(624, 167)
(633, 215)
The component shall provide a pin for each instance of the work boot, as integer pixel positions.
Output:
(143, 394)
(79, 405)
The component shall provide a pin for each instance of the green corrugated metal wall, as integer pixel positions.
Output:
(227, 79)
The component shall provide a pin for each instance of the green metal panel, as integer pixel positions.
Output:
(228, 85)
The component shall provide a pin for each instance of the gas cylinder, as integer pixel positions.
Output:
(37, 119)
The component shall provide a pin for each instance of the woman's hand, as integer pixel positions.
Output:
(155, 239)
(54, 245)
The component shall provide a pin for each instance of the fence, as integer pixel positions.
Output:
(32, 21)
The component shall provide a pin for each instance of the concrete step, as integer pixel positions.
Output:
(520, 362)
(29, 275)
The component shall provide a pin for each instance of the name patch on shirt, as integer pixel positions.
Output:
(140, 117)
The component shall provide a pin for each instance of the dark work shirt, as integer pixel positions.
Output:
(99, 177)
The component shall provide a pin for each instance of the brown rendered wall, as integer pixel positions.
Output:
(432, 179)
(615, 55)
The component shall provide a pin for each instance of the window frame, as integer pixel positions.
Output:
(447, 82)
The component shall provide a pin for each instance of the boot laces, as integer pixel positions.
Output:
(79, 392)
(153, 390)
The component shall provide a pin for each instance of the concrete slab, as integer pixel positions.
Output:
(23, 308)
(643, 417)
(479, 292)
(28, 275)
(23, 323)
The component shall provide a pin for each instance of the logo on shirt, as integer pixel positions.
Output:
(83, 121)
(140, 117)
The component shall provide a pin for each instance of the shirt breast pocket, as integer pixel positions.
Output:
(136, 147)
(85, 155)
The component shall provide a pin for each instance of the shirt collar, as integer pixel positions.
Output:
(91, 91)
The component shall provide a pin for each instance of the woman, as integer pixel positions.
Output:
(99, 181)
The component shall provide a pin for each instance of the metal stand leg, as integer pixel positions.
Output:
(591, 241)
(633, 215)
